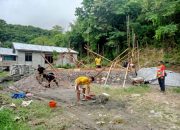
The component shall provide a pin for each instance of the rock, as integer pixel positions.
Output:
(152, 111)
(100, 122)
(135, 95)
(102, 99)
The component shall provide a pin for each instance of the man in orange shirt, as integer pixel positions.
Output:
(161, 75)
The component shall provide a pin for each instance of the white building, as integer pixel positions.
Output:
(34, 55)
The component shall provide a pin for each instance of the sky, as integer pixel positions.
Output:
(39, 13)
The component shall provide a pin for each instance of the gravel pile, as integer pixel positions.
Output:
(66, 78)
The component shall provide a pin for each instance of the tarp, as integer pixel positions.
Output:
(172, 78)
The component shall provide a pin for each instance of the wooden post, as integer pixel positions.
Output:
(125, 77)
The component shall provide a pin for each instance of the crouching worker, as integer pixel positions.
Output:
(83, 83)
(50, 77)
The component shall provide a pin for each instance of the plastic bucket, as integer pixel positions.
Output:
(52, 104)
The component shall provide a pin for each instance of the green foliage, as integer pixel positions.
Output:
(55, 55)
(168, 30)
(66, 66)
(102, 24)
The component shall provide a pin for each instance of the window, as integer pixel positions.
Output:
(28, 56)
(49, 58)
(9, 58)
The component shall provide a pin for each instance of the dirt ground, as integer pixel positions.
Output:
(126, 109)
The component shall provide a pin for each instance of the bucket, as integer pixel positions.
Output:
(52, 104)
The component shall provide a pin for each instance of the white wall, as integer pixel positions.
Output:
(37, 59)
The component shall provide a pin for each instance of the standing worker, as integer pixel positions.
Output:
(40, 70)
(98, 62)
(83, 80)
(161, 75)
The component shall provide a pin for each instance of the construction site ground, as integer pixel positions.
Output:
(131, 108)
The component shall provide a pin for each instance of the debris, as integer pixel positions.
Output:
(100, 122)
(117, 120)
(26, 103)
(18, 95)
(105, 94)
(17, 118)
(52, 104)
(29, 95)
(13, 105)
(135, 95)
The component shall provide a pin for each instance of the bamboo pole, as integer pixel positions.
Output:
(99, 72)
(138, 55)
(76, 60)
(49, 63)
(97, 54)
(109, 73)
(121, 54)
(125, 77)
(56, 73)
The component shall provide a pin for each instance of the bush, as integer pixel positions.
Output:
(66, 66)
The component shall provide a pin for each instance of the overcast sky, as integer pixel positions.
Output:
(39, 13)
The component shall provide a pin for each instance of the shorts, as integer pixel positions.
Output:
(98, 66)
(79, 87)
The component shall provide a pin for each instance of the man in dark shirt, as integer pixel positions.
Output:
(50, 77)
(40, 70)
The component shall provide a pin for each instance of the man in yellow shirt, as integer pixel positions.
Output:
(83, 82)
(98, 62)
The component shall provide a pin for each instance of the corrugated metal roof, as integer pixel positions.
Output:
(7, 51)
(32, 47)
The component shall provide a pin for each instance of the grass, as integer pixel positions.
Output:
(35, 112)
(176, 89)
(67, 66)
(7, 121)
(118, 92)
(3, 74)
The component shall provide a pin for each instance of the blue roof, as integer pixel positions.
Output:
(41, 48)
(7, 51)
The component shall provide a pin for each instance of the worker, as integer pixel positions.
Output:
(83, 83)
(50, 77)
(40, 70)
(98, 62)
(161, 75)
